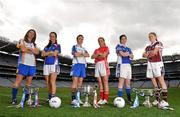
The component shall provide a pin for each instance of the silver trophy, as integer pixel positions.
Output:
(32, 92)
(30, 101)
(95, 98)
(87, 91)
(146, 93)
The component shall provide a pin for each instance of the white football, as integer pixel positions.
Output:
(55, 102)
(119, 102)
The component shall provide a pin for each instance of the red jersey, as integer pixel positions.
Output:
(101, 50)
(158, 56)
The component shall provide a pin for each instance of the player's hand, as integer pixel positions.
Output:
(51, 53)
(145, 54)
(86, 55)
(126, 54)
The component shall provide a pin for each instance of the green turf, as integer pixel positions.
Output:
(67, 111)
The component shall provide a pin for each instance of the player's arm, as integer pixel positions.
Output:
(23, 48)
(154, 52)
(95, 55)
(35, 50)
(78, 54)
(145, 54)
(131, 56)
(56, 52)
(124, 54)
(120, 52)
(44, 53)
(53, 53)
(86, 54)
(102, 55)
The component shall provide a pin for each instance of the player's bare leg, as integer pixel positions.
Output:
(48, 85)
(52, 79)
(74, 87)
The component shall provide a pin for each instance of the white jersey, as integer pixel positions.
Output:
(81, 60)
(27, 58)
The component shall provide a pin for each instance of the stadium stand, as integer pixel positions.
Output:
(8, 66)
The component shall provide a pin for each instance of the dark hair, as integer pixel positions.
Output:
(49, 44)
(121, 36)
(33, 39)
(102, 39)
(153, 33)
(79, 36)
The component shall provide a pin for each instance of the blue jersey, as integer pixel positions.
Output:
(121, 59)
(50, 60)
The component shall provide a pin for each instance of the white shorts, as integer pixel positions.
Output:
(101, 69)
(155, 69)
(48, 69)
(124, 71)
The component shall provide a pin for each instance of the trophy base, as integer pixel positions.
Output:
(147, 104)
(86, 104)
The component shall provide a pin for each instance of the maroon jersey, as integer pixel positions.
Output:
(158, 56)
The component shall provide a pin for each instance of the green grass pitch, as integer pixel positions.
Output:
(67, 111)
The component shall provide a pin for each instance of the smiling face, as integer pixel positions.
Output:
(30, 35)
(152, 37)
(101, 41)
(53, 37)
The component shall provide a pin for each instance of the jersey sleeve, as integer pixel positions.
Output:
(74, 50)
(106, 50)
(159, 45)
(85, 50)
(45, 49)
(19, 43)
(130, 51)
(118, 48)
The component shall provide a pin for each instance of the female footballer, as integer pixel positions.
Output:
(26, 62)
(78, 71)
(155, 68)
(102, 71)
(123, 68)
(51, 63)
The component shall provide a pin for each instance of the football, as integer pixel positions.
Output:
(55, 102)
(119, 102)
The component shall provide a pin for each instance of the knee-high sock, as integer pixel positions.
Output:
(73, 94)
(120, 92)
(102, 95)
(157, 94)
(14, 93)
(165, 94)
(128, 93)
(106, 95)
